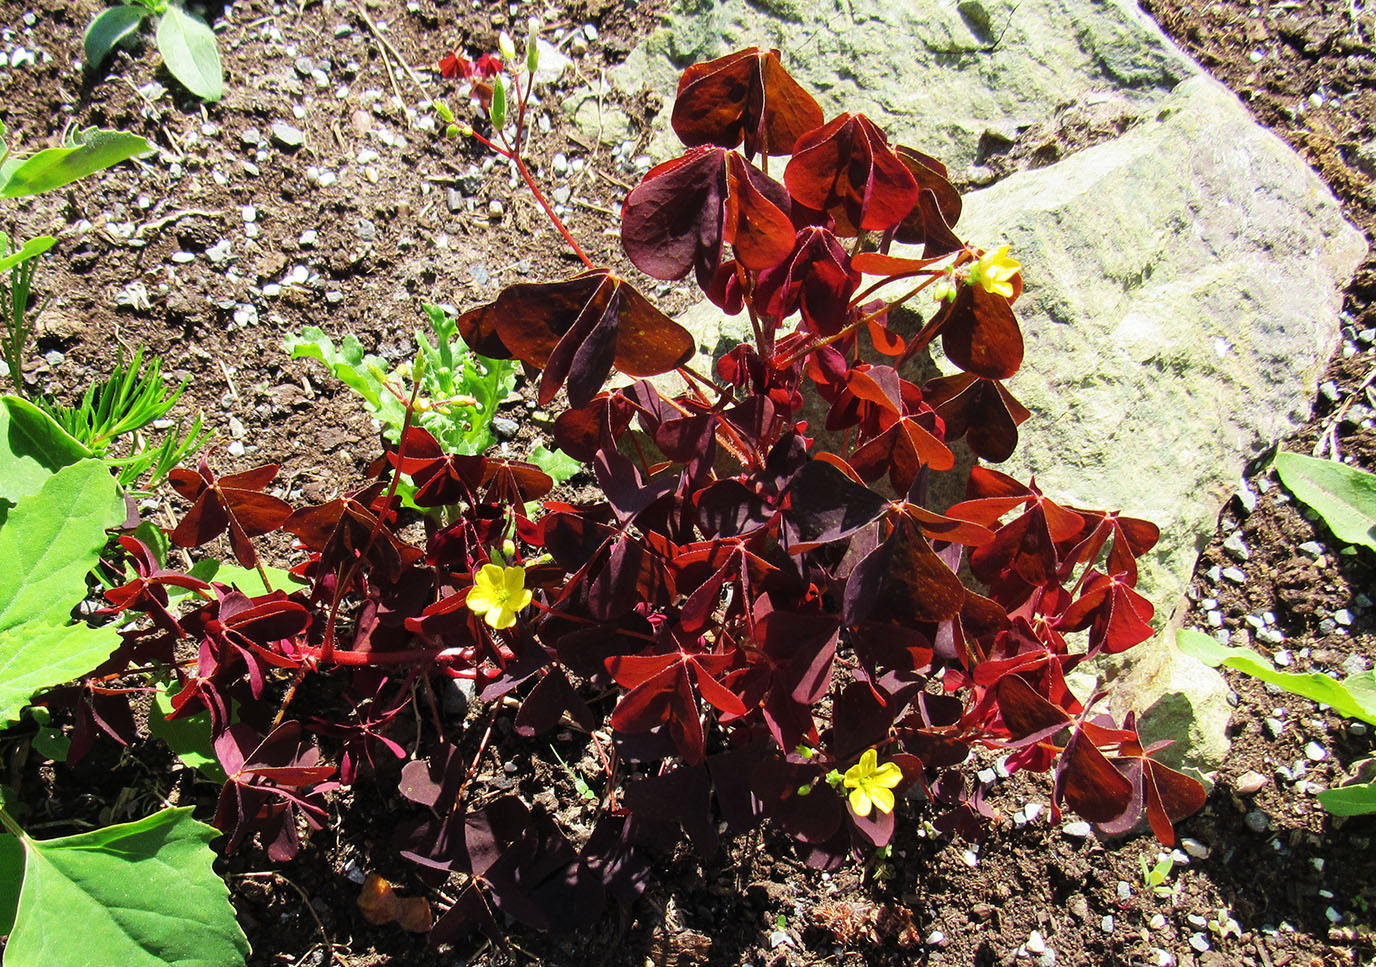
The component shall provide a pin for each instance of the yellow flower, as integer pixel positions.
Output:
(498, 593)
(995, 271)
(872, 784)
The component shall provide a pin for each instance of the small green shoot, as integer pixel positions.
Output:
(579, 783)
(186, 43)
(131, 399)
(1154, 877)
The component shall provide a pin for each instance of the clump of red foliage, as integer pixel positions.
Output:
(746, 609)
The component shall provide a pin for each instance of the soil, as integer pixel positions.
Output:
(400, 217)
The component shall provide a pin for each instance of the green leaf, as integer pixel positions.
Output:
(1351, 702)
(188, 47)
(48, 544)
(347, 363)
(1355, 800)
(141, 894)
(31, 249)
(497, 109)
(188, 737)
(11, 874)
(94, 151)
(246, 579)
(558, 464)
(110, 27)
(1344, 496)
(32, 448)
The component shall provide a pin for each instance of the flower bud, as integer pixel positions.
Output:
(506, 46)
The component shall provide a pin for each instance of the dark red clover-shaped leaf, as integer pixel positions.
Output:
(980, 410)
(231, 503)
(685, 211)
(938, 206)
(660, 693)
(826, 505)
(440, 478)
(746, 96)
(1131, 538)
(576, 330)
(848, 170)
(1117, 616)
(901, 581)
(814, 278)
(979, 333)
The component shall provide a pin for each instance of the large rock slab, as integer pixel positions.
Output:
(1183, 289)
(937, 75)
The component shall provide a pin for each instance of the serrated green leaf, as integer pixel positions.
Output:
(1358, 799)
(33, 447)
(48, 544)
(141, 894)
(348, 363)
(1353, 703)
(31, 249)
(558, 464)
(188, 48)
(188, 737)
(96, 149)
(108, 29)
(1343, 496)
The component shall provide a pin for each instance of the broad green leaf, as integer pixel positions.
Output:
(47, 545)
(1355, 800)
(11, 874)
(1351, 702)
(110, 27)
(1344, 496)
(141, 894)
(31, 249)
(94, 151)
(188, 48)
(32, 448)
(188, 737)
(246, 579)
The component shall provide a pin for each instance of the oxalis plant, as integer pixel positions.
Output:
(762, 617)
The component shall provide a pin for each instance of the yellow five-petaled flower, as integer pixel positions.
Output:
(995, 271)
(498, 593)
(871, 784)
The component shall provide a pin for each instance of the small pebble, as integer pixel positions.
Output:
(936, 938)
(1199, 942)
(287, 135)
(1343, 617)
(181, 258)
(308, 238)
(1312, 548)
(1249, 784)
(1283, 658)
(1315, 752)
(1106, 924)
(1157, 921)
(1197, 849)
(1257, 821)
(1333, 915)
(1236, 548)
(504, 428)
(1124, 891)
(249, 137)
(1036, 943)
(1079, 829)
(1234, 575)
(1164, 958)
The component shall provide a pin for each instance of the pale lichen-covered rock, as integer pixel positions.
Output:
(1183, 286)
(936, 75)
(1184, 283)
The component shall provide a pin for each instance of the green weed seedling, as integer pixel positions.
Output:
(187, 45)
(1345, 498)
(1154, 877)
(81, 153)
(458, 395)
